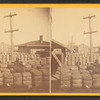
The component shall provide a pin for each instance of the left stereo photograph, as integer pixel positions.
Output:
(25, 50)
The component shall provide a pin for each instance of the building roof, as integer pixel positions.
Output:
(36, 43)
(58, 45)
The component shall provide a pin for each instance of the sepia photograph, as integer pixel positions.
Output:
(75, 50)
(24, 50)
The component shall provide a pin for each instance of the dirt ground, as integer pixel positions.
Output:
(23, 90)
(56, 89)
(76, 91)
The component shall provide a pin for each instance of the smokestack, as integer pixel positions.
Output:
(41, 38)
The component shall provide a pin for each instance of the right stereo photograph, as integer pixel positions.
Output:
(75, 50)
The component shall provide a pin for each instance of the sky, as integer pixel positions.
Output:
(69, 22)
(31, 22)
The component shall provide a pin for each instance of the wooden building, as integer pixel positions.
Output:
(58, 52)
(83, 49)
(40, 46)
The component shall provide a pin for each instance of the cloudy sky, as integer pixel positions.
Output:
(31, 22)
(68, 22)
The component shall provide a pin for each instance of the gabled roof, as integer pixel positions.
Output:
(83, 45)
(36, 43)
(59, 44)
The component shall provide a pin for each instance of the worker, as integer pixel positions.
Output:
(78, 63)
(17, 62)
(18, 66)
(96, 63)
(96, 67)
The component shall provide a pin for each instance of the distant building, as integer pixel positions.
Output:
(97, 49)
(4, 48)
(83, 49)
(80, 49)
(73, 47)
(40, 46)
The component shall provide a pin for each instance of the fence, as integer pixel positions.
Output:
(71, 59)
(4, 58)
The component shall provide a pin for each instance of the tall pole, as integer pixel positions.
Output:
(72, 44)
(90, 32)
(11, 34)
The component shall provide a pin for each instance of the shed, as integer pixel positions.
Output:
(58, 51)
(39, 46)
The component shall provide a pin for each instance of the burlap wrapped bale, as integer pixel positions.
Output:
(84, 71)
(46, 74)
(27, 79)
(37, 62)
(65, 84)
(8, 79)
(78, 85)
(75, 72)
(28, 67)
(17, 79)
(76, 81)
(37, 78)
(6, 72)
(64, 69)
(48, 60)
(45, 71)
(33, 63)
(19, 69)
(87, 81)
(73, 67)
(3, 65)
(45, 66)
(96, 76)
(96, 70)
(1, 79)
(4, 69)
(43, 61)
(65, 78)
(83, 67)
(66, 81)
(46, 80)
(96, 81)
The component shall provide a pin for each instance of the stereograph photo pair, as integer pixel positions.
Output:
(49, 50)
